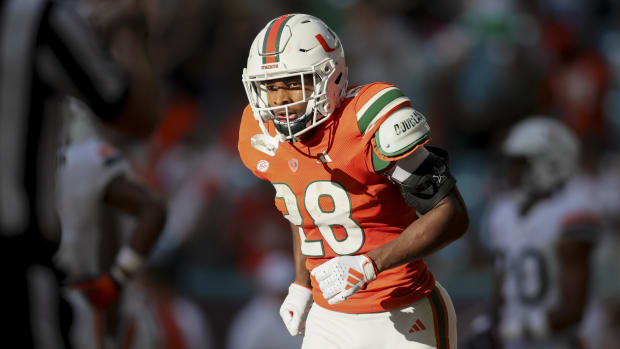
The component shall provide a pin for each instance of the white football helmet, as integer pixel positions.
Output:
(289, 46)
(550, 147)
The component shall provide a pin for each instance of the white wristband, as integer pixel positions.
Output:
(129, 260)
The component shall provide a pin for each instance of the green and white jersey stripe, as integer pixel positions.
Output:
(378, 106)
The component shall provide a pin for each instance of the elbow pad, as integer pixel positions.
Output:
(429, 183)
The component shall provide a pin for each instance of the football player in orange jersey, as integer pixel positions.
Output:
(367, 199)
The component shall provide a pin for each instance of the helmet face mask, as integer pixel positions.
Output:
(295, 47)
(288, 118)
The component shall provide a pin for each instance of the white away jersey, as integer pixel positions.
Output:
(85, 170)
(526, 246)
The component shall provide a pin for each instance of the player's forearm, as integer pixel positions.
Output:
(566, 314)
(302, 275)
(446, 222)
(151, 220)
(574, 277)
(147, 208)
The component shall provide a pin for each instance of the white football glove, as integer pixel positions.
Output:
(295, 307)
(342, 276)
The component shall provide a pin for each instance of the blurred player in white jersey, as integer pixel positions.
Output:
(601, 328)
(92, 176)
(542, 233)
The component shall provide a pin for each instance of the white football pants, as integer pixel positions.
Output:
(427, 323)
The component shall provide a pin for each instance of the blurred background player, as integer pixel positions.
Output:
(542, 233)
(103, 207)
(155, 315)
(97, 259)
(47, 51)
(258, 324)
(601, 328)
(365, 198)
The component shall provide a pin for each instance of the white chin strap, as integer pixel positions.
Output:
(265, 142)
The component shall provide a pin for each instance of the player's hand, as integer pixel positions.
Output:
(342, 276)
(102, 292)
(295, 307)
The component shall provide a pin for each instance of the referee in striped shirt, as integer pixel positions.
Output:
(47, 51)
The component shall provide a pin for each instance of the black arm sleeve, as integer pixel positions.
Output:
(429, 183)
(97, 79)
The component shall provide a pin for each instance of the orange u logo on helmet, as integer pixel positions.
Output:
(324, 44)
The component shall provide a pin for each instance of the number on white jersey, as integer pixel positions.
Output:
(531, 272)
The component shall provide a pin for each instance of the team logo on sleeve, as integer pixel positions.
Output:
(293, 164)
(262, 165)
(107, 150)
(109, 154)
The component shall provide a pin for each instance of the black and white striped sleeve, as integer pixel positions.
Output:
(70, 60)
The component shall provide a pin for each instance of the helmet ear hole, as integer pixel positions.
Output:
(324, 70)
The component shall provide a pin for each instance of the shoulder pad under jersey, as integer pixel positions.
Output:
(403, 130)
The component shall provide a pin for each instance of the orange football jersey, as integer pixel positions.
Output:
(327, 185)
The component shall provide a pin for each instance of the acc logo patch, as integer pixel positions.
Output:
(293, 164)
(107, 150)
(262, 165)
